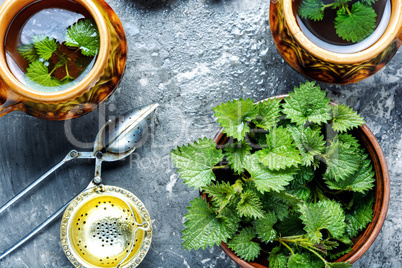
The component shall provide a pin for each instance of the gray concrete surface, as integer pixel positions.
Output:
(189, 56)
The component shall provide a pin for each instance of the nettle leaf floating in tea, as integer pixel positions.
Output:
(52, 64)
(45, 46)
(39, 73)
(85, 36)
(312, 9)
(352, 24)
(356, 24)
(28, 52)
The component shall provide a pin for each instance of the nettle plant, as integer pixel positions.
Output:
(292, 184)
(353, 22)
(52, 63)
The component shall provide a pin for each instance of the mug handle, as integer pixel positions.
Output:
(400, 38)
(8, 106)
(9, 101)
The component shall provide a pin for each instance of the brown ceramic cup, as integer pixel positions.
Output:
(88, 93)
(381, 191)
(326, 66)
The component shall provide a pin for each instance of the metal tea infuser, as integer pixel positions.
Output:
(104, 226)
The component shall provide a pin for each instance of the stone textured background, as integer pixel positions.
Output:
(189, 56)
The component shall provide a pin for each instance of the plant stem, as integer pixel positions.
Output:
(218, 167)
(299, 240)
(316, 253)
(286, 245)
(67, 74)
(54, 69)
(347, 10)
(247, 179)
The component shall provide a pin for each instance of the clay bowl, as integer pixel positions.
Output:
(382, 190)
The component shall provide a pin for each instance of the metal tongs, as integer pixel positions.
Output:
(115, 140)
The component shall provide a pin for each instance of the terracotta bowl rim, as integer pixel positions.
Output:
(384, 205)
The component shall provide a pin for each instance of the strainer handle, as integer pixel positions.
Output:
(137, 226)
(35, 231)
(42, 225)
(70, 156)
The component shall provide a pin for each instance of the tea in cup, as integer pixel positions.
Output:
(308, 50)
(60, 58)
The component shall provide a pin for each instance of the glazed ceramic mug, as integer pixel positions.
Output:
(323, 65)
(82, 97)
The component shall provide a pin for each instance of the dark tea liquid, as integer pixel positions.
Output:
(47, 19)
(325, 31)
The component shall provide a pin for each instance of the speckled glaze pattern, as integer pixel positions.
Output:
(93, 96)
(315, 68)
(134, 258)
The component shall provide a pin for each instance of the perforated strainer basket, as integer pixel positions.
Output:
(103, 226)
(106, 226)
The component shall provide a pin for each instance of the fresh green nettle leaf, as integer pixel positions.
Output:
(351, 24)
(231, 217)
(368, 2)
(304, 175)
(361, 181)
(358, 218)
(195, 162)
(300, 191)
(325, 214)
(203, 227)
(273, 197)
(267, 114)
(357, 24)
(348, 139)
(84, 35)
(277, 259)
(265, 179)
(45, 47)
(250, 205)
(264, 227)
(344, 118)
(312, 9)
(310, 143)
(341, 161)
(244, 246)
(280, 152)
(50, 62)
(282, 203)
(290, 226)
(307, 104)
(235, 154)
(233, 117)
(338, 265)
(341, 3)
(338, 252)
(28, 52)
(299, 186)
(299, 261)
(39, 73)
(221, 194)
